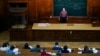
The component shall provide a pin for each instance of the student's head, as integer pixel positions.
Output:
(43, 52)
(65, 47)
(56, 43)
(37, 46)
(86, 48)
(26, 45)
(12, 47)
(64, 9)
(5, 44)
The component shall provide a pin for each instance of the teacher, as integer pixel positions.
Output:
(63, 16)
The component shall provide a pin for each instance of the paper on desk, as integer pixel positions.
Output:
(43, 24)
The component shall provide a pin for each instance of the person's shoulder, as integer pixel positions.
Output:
(15, 50)
(35, 50)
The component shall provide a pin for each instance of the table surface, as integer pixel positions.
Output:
(60, 26)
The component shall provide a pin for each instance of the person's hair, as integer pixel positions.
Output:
(26, 46)
(65, 47)
(56, 43)
(63, 9)
(5, 44)
(12, 47)
(37, 46)
(86, 48)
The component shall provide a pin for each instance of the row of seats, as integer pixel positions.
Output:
(55, 50)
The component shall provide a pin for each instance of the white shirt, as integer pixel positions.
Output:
(16, 51)
(4, 48)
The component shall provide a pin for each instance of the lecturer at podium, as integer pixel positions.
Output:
(63, 16)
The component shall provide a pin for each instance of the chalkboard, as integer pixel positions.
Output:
(73, 7)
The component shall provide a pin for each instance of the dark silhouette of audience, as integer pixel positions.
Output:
(36, 49)
(27, 46)
(56, 46)
(65, 49)
(5, 46)
(87, 49)
(13, 50)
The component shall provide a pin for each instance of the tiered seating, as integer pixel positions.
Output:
(26, 52)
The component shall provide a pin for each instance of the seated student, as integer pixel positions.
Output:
(5, 46)
(87, 49)
(66, 49)
(13, 50)
(56, 47)
(36, 49)
(44, 52)
(98, 52)
(27, 46)
(59, 52)
(95, 51)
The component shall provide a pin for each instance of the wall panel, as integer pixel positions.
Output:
(2, 7)
(32, 12)
(44, 8)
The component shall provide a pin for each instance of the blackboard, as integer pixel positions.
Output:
(73, 7)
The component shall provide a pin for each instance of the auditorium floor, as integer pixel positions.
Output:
(4, 36)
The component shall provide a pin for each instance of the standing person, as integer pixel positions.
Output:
(63, 16)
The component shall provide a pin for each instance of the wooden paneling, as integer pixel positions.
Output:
(29, 33)
(53, 20)
(32, 11)
(96, 3)
(2, 7)
(18, 35)
(79, 20)
(3, 16)
(21, 34)
(91, 5)
(50, 35)
(39, 9)
(44, 8)
(54, 35)
(85, 35)
(17, 1)
(66, 35)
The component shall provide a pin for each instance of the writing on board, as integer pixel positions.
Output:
(73, 7)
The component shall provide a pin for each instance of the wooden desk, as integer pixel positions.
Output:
(21, 34)
(64, 27)
(65, 32)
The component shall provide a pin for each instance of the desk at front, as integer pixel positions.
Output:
(65, 32)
